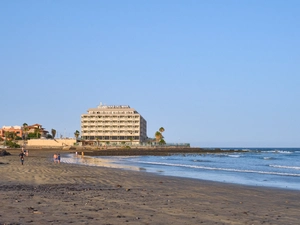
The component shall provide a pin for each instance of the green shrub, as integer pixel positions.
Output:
(49, 136)
(33, 136)
(12, 144)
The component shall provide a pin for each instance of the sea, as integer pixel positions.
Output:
(263, 167)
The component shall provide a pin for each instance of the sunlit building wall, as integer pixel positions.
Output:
(113, 124)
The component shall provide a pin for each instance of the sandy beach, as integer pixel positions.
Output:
(43, 192)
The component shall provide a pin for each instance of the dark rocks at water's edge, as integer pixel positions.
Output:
(155, 151)
(4, 153)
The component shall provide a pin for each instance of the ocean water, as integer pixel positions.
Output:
(267, 167)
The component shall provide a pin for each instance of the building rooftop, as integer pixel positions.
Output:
(11, 127)
(113, 106)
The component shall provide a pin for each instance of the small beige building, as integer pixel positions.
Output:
(114, 124)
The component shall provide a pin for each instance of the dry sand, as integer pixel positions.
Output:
(41, 192)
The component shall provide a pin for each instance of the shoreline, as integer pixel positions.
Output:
(155, 151)
(112, 162)
(42, 192)
(138, 151)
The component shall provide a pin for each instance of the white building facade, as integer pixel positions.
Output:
(114, 124)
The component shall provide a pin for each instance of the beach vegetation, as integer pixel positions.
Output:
(53, 132)
(162, 142)
(37, 132)
(25, 131)
(126, 147)
(11, 136)
(161, 130)
(12, 144)
(49, 136)
(34, 135)
(130, 139)
(76, 134)
(159, 137)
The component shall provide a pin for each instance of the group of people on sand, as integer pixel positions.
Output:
(56, 158)
(23, 153)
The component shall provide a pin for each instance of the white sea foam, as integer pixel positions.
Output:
(223, 169)
(234, 156)
(286, 167)
(268, 158)
(278, 151)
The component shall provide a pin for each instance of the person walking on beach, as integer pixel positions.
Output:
(55, 157)
(58, 158)
(21, 155)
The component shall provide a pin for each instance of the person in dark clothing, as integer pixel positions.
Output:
(58, 158)
(21, 155)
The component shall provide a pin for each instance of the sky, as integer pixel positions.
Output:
(212, 73)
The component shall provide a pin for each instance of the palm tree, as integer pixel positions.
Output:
(53, 132)
(13, 135)
(25, 130)
(76, 134)
(6, 134)
(37, 131)
(162, 142)
(161, 130)
(130, 139)
(158, 136)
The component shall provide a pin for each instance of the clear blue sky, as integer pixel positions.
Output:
(212, 73)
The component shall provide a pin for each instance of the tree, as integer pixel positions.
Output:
(76, 134)
(33, 135)
(25, 130)
(12, 144)
(6, 135)
(131, 139)
(53, 132)
(161, 130)
(162, 142)
(13, 135)
(158, 136)
(37, 131)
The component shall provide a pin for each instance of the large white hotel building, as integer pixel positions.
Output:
(113, 124)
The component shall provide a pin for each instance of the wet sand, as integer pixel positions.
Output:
(42, 192)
